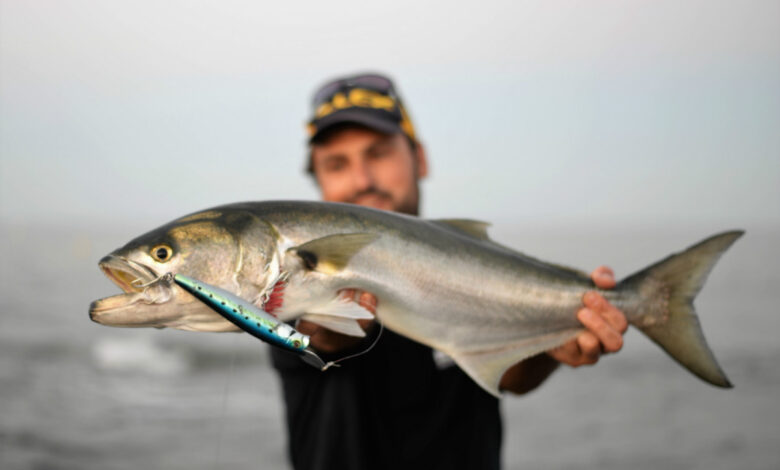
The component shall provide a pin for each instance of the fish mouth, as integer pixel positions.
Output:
(150, 300)
(129, 275)
(144, 292)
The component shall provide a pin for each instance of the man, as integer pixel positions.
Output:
(399, 406)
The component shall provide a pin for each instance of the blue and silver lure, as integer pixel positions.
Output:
(251, 319)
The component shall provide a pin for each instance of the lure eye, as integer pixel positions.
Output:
(296, 343)
(162, 253)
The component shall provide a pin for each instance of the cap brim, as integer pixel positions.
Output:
(381, 124)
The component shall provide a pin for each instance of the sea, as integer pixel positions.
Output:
(78, 395)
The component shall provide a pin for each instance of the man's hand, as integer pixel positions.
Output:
(605, 326)
(328, 341)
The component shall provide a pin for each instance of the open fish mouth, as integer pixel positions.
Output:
(129, 275)
(141, 286)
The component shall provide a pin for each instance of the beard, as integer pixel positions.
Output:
(379, 199)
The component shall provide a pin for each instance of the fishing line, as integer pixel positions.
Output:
(225, 395)
(330, 364)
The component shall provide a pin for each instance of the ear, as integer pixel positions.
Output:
(422, 162)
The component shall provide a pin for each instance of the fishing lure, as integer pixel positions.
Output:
(251, 319)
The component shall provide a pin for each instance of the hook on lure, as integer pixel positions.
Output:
(167, 278)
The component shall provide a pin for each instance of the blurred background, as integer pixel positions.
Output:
(588, 133)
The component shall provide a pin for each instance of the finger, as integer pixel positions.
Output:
(366, 324)
(567, 353)
(590, 347)
(347, 294)
(306, 327)
(603, 277)
(368, 301)
(611, 340)
(616, 319)
(328, 341)
(596, 302)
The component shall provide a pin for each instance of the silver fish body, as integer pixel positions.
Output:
(442, 283)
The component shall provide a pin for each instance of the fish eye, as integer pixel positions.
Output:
(162, 253)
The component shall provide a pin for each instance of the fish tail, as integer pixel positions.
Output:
(666, 313)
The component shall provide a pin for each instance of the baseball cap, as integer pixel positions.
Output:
(366, 99)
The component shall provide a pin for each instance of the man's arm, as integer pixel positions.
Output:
(605, 326)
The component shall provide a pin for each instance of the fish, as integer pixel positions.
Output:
(441, 282)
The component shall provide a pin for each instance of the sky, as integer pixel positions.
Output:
(624, 113)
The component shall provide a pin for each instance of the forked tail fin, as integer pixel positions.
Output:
(667, 315)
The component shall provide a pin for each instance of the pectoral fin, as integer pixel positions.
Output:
(340, 315)
(331, 254)
(343, 307)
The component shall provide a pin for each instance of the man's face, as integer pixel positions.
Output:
(365, 167)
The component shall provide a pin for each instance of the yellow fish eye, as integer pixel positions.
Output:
(162, 253)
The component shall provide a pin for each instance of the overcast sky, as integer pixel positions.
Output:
(641, 112)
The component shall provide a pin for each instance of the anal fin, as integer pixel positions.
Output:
(487, 367)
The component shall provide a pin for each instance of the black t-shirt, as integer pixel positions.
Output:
(391, 408)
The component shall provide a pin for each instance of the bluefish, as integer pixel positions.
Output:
(443, 283)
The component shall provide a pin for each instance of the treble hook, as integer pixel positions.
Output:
(167, 277)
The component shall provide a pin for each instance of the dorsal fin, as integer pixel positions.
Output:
(474, 228)
(478, 230)
(331, 253)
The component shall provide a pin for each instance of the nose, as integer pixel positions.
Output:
(362, 177)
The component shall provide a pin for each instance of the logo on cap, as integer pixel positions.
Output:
(368, 100)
